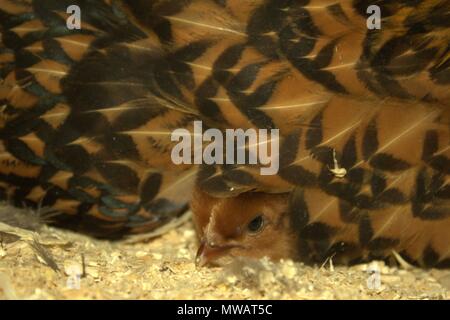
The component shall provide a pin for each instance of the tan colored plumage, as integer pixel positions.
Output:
(87, 115)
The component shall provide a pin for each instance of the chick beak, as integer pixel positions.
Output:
(207, 253)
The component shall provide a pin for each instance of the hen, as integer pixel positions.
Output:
(363, 118)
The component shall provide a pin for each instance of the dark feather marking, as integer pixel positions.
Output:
(150, 187)
(382, 244)
(367, 78)
(430, 257)
(436, 212)
(25, 59)
(164, 209)
(298, 208)
(392, 87)
(317, 231)
(370, 140)
(289, 149)
(77, 125)
(29, 83)
(356, 177)
(365, 230)
(365, 201)
(210, 110)
(256, 99)
(441, 74)
(325, 78)
(248, 104)
(81, 195)
(387, 162)
(348, 213)
(239, 177)
(325, 55)
(349, 155)
(209, 182)
(244, 78)
(135, 118)
(440, 163)
(422, 204)
(47, 172)
(298, 175)
(430, 144)
(306, 23)
(443, 264)
(222, 76)
(54, 51)
(295, 50)
(91, 225)
(412, 63)
(338, 13)
(266, 18)
(392, 196)
(164, 31)
(346, 191)
(71, 158)
(229, 57)
(390, 49)
(266, 45)
(53, 193)
(324, 154)
(119, 176)
(208, 88)
(21, 151)
(259, 118)
(183, 74)
(118, 146)
(192, 51)
(115, 208)
(166, 82)
(443, 192)
(377, 183)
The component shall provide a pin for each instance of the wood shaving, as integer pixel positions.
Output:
(164, 269)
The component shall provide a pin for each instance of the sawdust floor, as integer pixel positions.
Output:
(164, 269)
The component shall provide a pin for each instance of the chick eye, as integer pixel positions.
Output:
(256, 224)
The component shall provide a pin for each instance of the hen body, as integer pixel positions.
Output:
(87, 114)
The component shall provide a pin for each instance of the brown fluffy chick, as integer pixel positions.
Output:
(251, 225)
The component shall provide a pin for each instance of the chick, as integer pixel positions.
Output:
(251, 225)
